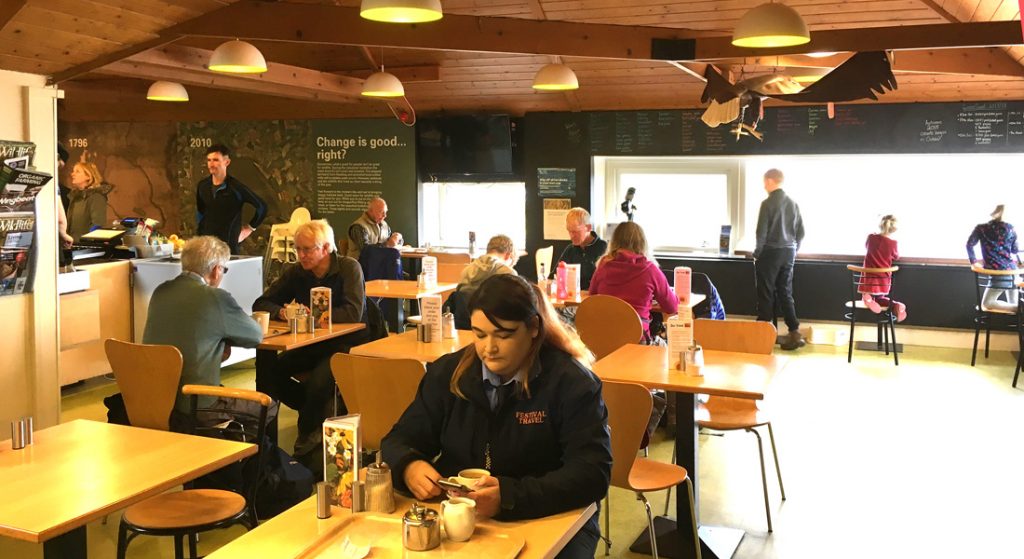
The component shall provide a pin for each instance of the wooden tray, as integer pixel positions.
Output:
(384, 535)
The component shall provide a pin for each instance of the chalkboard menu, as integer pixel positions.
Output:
(864, 128)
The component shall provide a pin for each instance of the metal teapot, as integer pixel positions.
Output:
(421, 528)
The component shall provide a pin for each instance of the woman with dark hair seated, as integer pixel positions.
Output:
(519, 402)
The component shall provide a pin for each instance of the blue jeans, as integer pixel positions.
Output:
(584, 543)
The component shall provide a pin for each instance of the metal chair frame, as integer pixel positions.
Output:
(886, 321)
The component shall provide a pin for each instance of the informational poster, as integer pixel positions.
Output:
(556, 182)
(555, 210)
(359, 159)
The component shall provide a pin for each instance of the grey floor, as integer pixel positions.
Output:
(922, 460)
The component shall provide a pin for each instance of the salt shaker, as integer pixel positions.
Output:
(448, 325)
(302, 319)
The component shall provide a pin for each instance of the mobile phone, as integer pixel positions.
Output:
(452, 486)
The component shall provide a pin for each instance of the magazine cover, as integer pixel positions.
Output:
(17, 150)
(342, 446)
(18, 190)
(320, 303)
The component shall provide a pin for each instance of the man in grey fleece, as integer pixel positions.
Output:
(499, 259)
(192, 314)
(780, 229)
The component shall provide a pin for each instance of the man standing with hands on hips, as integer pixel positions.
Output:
(219, 201)
(780, 229)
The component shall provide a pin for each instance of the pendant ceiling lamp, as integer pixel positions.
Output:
(167, 91)
(805, 76)
(383, 84)
(401, 11)
(555, 77)
(237, 57)
(770, 25)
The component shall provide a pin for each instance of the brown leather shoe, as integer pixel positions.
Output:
(793, 341)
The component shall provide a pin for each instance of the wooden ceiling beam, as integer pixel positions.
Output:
(989, 61)
(9, 9)
(86, 67)
(407, 74)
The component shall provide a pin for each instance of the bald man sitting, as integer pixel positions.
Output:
(371, 229)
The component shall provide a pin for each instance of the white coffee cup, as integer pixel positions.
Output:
(458, 515)
(263, 319)
(472, 477)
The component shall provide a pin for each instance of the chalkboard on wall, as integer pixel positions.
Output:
(991, 127)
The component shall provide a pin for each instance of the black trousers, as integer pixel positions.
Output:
(774, 270)
(275, 376)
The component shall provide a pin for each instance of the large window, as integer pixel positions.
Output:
(452, 209)
(682, 204)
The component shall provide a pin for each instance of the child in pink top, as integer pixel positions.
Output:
(882, 251)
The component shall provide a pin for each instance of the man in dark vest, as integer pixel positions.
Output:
(219, 201)
(371, 229)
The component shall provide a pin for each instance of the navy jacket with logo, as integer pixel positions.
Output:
(551, 452)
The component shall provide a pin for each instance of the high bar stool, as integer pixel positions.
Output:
(984, 280)
(886, 319)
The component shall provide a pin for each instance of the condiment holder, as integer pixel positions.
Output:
(379, 494)
(421, 528)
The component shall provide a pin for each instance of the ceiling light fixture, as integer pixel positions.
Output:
(401, 11)
(555, 77)
(237, 57)
(770, 25)
(805, 76)
(167, 91)
(820, 54)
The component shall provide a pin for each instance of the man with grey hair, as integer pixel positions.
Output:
(371, 229)
(586, 246)
(192, 314)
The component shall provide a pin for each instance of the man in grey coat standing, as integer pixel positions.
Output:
(780, 230)
(192, 314)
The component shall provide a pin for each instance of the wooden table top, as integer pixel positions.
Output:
(405, 346)
(726, 373)
(82, 470)
(288, 534)
(404, 289)
(695, 299)
(287, 340)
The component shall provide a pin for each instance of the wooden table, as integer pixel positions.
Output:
(266, 353)
(403, 289)
(736, 375)
(405, 346)
(79, 471)
(288, 534)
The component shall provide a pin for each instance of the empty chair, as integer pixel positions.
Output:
(987, 283)
(721, 413)
(629, 406)
(148, 378)
(606, 323)
(886, 319)
(377, 389)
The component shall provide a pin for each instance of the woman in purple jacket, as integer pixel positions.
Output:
(626, 272)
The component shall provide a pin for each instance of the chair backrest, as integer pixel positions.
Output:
(870, 280)
(629, 409)
(450, 266)
(148, 378)
(379, 390)
(606, 323)
(984, 279)
(743, 336)
(544, 256)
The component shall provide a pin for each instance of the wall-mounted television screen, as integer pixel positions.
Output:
(464, 145)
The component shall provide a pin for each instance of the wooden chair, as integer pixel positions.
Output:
(629, 406)
(606, 323)
(886, 319)
(449, 270)
(721, 413)
(184, 514)
(983, 280)
(378, 389)
(148, 378)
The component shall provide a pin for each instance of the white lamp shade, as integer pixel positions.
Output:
(806, 76)
(770, 25)
(383, 84)
(555, 77)
(401, 11)
(167, 91)
(237, 57)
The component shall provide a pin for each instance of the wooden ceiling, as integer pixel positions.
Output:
(482, 56)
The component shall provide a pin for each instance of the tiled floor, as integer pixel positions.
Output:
(916, 461)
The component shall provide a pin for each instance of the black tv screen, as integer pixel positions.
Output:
(464, 145)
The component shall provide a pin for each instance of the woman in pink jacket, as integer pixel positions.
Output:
(627, 273)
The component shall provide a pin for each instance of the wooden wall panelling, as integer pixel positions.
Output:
(111, 281)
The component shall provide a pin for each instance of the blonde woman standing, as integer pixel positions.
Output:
(87, 208)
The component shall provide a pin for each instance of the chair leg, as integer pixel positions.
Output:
(193, 545)
(693, 518)
(775, 453)
(607, 536)
(668, 494)
(977, 332)
(988, 334)
(895, 349)
(179, 547)
(650, 524)
(1020, 361)
(764, 478)
(122, 540)
(885, 332)
(849, 351)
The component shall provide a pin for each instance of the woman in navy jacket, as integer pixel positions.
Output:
(521, 403)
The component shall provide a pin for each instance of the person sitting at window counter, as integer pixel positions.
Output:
(519, 402)
(627, 272)
(87, 208)
(882, 251)
(998, 252)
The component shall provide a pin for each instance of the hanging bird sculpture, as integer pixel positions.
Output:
(862, 76)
